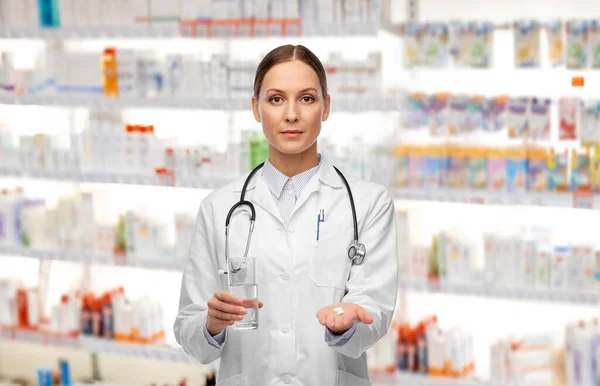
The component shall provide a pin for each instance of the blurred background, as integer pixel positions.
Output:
(482, 117)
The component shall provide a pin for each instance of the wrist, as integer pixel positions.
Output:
(213, 330)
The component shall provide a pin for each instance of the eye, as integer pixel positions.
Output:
(307, 99)
(276, 99)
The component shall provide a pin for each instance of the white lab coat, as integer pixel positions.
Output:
(297, 275)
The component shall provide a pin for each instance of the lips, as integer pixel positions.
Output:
(291, 132)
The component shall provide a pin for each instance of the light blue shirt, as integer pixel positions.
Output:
(286, 191)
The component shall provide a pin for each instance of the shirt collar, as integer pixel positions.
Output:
(276, 180)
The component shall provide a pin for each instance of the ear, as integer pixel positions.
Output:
(326, 106)
(255, 109)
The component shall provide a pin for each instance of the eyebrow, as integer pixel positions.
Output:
(283, 92)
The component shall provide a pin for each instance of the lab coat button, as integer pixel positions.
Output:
(285, 276)
(286, 379)
(285, 328)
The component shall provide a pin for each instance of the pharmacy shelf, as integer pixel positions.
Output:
(483, 197)
(92, 345)
(567, 296)
(157, 31)
(411, 379)
(162, 263)
(340, 104)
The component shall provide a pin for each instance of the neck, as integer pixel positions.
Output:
(293, 164)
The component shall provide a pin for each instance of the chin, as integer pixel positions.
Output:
(292, 148)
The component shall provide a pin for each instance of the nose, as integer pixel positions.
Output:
(291, 114)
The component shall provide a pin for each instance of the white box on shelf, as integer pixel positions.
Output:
(140, 10)
(277, 9)
(81, 13)
(65, 9)
(292, 9)
(96, 13)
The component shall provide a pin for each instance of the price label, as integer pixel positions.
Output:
(583, 198)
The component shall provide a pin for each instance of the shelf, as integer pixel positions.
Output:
(92, 345)
(171, 31)
(410, 379)
(339, 103)
(164, 263)
(553, 295)
(560, 200)
(89, 177)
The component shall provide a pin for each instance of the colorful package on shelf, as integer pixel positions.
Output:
(595, 170)
(401, 167)
(494, 113)
(474, 114)
(580, 169)
(481, 39)
(537, 170)
(516, 170)
(594, 43)
(477, 168)
(516, 117)
(527, 43)
(457, 168)
(435, 44)
(577, 43)
(413, 35)
(416, 116)
(496, 170)
(436, 107)
(539, 118)
(460, 46)
(417, 167)
(590, 124)
(434, 160)
(569, 117)
(558, 171)
(444, 154)
(555, 31)
(457, 114)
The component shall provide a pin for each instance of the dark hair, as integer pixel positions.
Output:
(287, 53)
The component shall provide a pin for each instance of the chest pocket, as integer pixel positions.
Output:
(329, 262)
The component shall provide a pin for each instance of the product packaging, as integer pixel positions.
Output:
(539, 118)
(474, 114)
(537, 170)
(527, 43)
(477, 177)
(435, 45)
(481, 36)
(580, 169)
(413, 38)
(457, 168)
(555, 32)
(558, 171)
(457, 114)
(594, 44)
(516, 170)
(494, 113)
(516, 118)
(401, 167)
(459, 44)
(577, 44)
(417, 167)
(433, 166)
(416, 117)
(569, 116)
(558, 267)
(590, 124)
(437, 111)
(496, 170)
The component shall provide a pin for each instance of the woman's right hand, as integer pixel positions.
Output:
(223, 310)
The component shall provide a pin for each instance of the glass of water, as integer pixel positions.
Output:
(241, 273)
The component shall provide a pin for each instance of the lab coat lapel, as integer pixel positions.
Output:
(261, 196)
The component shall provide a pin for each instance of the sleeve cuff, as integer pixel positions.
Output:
(215, 341)
(339, 340)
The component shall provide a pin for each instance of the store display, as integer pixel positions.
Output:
(195, 17)
(527, 43)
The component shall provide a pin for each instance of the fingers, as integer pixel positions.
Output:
(364, 316)
(228, 297)
(224, 316)
(260, 304)
(219, 305)
(322, 316)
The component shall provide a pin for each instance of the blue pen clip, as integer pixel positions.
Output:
(320, 219)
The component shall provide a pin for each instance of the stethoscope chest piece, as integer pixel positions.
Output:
(357, 252)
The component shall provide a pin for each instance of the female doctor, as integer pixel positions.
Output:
(324, 300)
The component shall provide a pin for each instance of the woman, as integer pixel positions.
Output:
(322, 310)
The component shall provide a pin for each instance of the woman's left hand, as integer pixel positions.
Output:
(339, 318)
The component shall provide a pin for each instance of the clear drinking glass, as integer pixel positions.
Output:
(241, 273)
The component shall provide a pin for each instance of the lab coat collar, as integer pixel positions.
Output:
(326, 175)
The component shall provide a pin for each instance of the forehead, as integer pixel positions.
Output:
(290, 76)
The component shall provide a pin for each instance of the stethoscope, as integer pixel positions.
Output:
(356, 252)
